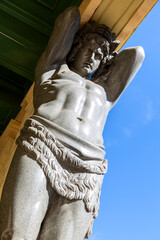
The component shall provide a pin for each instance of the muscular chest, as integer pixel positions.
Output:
(76, 88)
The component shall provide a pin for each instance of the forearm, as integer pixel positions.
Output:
(123, 70)
(59, 45)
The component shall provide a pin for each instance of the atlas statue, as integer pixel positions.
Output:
(53, 186)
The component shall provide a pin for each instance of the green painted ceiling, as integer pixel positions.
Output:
(25, 27)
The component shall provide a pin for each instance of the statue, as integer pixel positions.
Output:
(53, 186)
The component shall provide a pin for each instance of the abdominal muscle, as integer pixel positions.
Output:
(77, 105)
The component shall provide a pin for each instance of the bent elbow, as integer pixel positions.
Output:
(140, 54)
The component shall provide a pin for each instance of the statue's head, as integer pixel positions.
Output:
(93, 49)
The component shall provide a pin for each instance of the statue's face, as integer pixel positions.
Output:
(88, 58)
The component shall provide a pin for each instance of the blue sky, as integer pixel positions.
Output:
(130, 199)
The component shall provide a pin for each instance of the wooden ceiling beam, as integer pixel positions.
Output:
(87, 8)
(135, 21)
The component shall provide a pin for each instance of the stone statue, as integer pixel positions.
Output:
(54, 182)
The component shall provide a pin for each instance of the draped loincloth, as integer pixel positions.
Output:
(71, 174)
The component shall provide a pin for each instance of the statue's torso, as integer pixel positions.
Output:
(74, 103)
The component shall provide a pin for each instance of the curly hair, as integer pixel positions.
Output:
(104, 38)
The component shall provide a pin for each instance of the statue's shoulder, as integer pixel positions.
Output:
(64, 73)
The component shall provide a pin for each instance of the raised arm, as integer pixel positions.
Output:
(59, 45)
(121, 72)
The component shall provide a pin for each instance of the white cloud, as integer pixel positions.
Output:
(127, 132)
(149, 113)
(110, 143)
